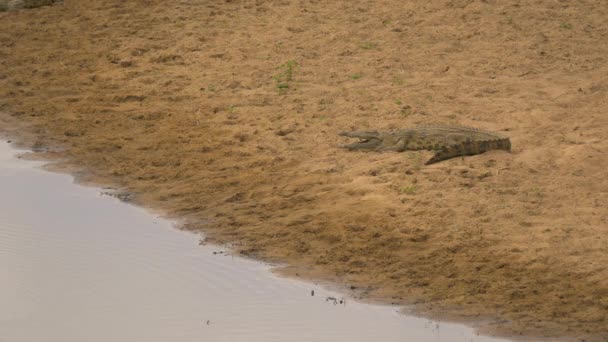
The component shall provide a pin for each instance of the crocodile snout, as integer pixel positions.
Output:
(368, 140)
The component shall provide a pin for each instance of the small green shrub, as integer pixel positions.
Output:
(368, 45)
(409, 189)
(283, 78)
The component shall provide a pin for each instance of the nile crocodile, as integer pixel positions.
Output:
(446, 141)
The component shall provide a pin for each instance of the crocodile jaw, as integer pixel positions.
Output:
(368, 140)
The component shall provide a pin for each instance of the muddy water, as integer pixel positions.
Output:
(78, 266)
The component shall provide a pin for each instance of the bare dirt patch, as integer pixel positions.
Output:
(227, 113)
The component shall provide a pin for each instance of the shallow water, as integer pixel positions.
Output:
(79, 266)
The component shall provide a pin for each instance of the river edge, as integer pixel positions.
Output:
(462, 240)
(295, 294)
(54, 161)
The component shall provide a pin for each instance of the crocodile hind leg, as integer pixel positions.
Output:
(448, 152)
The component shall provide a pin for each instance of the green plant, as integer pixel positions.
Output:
(565, 25)
(368, 45)
(285, 76)
(409, 189)
(356, 76)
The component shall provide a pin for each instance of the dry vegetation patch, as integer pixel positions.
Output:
(6, 5)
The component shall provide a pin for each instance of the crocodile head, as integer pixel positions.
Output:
(368, 140)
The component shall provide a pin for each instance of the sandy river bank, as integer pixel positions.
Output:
(226, 114)
(77, 265)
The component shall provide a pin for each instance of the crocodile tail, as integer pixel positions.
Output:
(470, 148)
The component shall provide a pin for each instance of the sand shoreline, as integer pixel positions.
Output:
(54, 162)
(198, 111)
(167, 272)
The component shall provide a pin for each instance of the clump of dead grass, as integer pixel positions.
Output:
(6, 5)
(37, 3)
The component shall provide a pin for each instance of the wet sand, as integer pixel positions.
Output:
(79, 266)
(226, 114)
